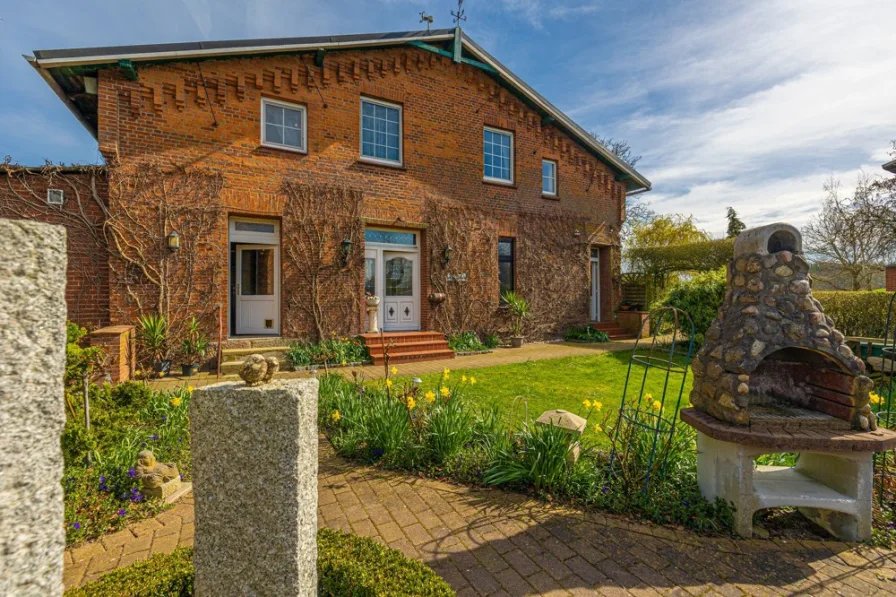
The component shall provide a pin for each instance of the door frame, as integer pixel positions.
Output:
(594, 263)
(378, 251)
(256, 239)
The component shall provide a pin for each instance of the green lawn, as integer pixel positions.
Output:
(561, 383)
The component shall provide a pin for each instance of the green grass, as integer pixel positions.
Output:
(561, 383)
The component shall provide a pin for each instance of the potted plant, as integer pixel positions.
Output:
(625, 305)
(194, 348)
(373, 300)
(519, 310)
(153, 333)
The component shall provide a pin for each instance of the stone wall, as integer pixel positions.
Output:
(32, 411)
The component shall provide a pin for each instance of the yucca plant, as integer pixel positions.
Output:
(152, 330)
(519, 311)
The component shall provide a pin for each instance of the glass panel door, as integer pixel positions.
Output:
(401, 303)
(257, 294)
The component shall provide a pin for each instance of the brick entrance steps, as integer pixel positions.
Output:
(613, 330)
(407, 346)
(232, 358)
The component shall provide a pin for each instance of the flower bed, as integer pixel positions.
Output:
(346, 565)
(331, 352)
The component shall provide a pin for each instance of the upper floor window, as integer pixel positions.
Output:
(549, 177)
(380, 131)
(498, 155)
(284, 125)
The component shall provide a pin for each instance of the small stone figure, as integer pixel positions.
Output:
(159, 479)
(257, 369)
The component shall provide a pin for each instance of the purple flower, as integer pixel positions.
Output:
(122, 512)
(132, 473)
(103, 479)
(154, 437)
(76, 526)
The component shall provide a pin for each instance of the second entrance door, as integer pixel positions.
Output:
(401, 296)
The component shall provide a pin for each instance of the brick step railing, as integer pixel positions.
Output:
(407, 346)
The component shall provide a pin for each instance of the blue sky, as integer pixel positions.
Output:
(749, 104)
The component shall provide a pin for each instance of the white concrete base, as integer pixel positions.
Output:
(834, 490)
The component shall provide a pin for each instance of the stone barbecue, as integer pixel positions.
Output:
(772, 359)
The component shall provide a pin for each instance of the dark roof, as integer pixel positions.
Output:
(65, 70)
(890, 166)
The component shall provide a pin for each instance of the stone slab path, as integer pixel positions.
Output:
(489, 542)
(500, 356)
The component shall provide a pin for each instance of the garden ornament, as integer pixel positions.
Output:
(159, 479)
(258, 370)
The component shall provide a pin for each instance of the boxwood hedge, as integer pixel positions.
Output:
(347, 566)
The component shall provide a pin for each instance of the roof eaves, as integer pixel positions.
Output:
(640, 181)
(890, 166)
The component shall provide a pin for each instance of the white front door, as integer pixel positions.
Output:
(595, 284)
(401, 291)
(257, 289)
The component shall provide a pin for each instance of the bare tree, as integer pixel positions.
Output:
(620, 147)
(853, 235)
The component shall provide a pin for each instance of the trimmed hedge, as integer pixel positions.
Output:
(347, 566)
(700, 297)
(857, 313)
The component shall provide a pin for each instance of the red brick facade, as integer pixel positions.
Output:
(211, 121)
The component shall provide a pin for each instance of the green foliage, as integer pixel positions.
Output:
(152, 331)
(735, 225)
(700, 297)
(585, 333)
(103, 495)
(449, 429)
(519, 310)
(537, 457)
(466, 342)
(857, 313)
(703, 255)
(80, 362)
(492, 341)
(334, 351)
(347, 566)
(195, 345)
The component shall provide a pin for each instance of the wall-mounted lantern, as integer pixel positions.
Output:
(446, 256)
(173, 241)
(346, 247)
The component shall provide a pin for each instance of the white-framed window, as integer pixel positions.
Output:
(497, 155)
(284, 125)
(381, 131)
(549, 177)
(55, 196)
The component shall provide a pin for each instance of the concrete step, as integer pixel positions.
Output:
(239, 354)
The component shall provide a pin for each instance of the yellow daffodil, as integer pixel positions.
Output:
(875, 398)
(586, 404)
(444, 392)
(394, 370)
(138, 373)
(430, 396)
(598, 429)
(472, 381)
(463, 379)
(344, 362)
(336, 416)
(161, 374)
(189, 389)
(176, 401)
(446, 373)
(388, 383)
(411, 402)
(597, 405)
(657, 405)
(648, 396)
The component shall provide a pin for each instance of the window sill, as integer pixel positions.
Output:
(373, 162)
(285, 148)
(550, 197)
(499, 183)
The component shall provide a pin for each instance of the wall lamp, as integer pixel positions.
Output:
(446, 255)
(346, 247)
(174, 241)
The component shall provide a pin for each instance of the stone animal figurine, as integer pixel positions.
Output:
(154, 474)
(257, 369)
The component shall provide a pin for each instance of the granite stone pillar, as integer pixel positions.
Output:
(32, 407)
(255, 486)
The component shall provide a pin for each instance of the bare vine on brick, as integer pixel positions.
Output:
(472, 290)
(323, 292)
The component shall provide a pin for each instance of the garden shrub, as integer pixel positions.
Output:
(700, 297)
(585, 333)
(333, 351)
(347, 566)
(857, 313)
(492, 341)
(466, 342)
(538, 457)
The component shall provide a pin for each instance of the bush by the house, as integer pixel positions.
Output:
(437, 431)
(585, 333)
(700, 297)
(347, 565)
(332, 351)
(466, 342)
(491, 341)
(857, 313)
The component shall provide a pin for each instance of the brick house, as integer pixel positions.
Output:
(298, 174)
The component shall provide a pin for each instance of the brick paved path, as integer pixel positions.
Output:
(500, 356)
(487, 542)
